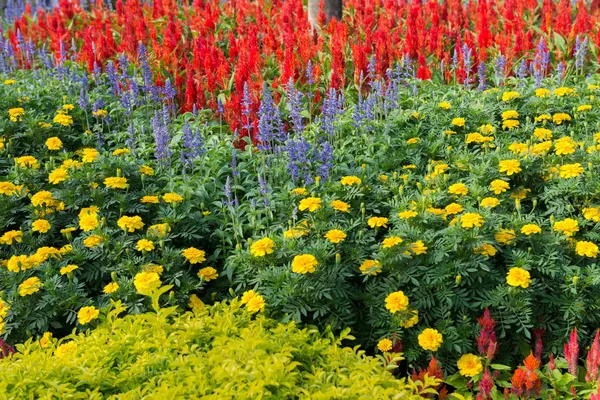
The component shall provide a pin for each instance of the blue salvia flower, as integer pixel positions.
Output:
(131, 141)
(522, 70)
(190, 148)
(73, 50)
(45, 58)
(371, 69)
(467, 57)
(455, 58)
(146, 71)
(329, 112)
(298, 152)
(194, 110)
(499, 68)
(310, 76)
(234, 170)
(481, 76)
(113, 78)
(227, 191)
(270, 126)
(560, 71)
(358, 116)
(263, 190)
(390, 100)
(124, 65)
(169, 90)
(247, 107)
(580, 52)
(161, 138)
(442, 68)
(294, 102)
(83, 100)
(325, 160)
(220, 108)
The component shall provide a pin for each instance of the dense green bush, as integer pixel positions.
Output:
(217, 352)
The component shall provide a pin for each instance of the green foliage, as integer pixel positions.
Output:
(219, 352)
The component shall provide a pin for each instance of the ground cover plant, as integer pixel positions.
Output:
(375, 199)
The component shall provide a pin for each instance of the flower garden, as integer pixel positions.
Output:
(218, 200)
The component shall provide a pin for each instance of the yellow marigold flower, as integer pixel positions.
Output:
(587, 249)
(194, 255)
(489, 202)
(542, 133)
(262, 247)
(413, 140)
(247, 296)
(54, 143)
(412, 321)
(91, 210)
(27, 162)
(564, 146)
(18, 263)
(130, 224)
(499, 186)
(255, 304)
(518, 148)
(509, 167)
(458, 189)
(10, 82)
(195, 303)
(144, 245)
(418, 247)
(121, 151)
(567, 226)
(206, 213)
(435, 211)
(541, 148)
(571, 170)
(294, 233)
(149, 199)
(10, 237)
(458, 122)
(66, 249)
(430, 339)
(87, 314)
(542, 92)
(65, 349)
(58, 175)
(40, 225)
(208, 274)
(350, 180)
(377, 222)
(45, 339)
(448, 132)
(339, 205)
(299, 191)
(409, 166)
(469, 365)
(543, 117)
(30, 286)
(7, 188)
(453, 208)
(391, 242)
(159, 230)
(396, 301)
(559, 118)
(172, 198)
(407, 214)
(63, 119)
(311, 204)
(92, 241)
(370, 267)
(518, 277)
(530, 229)
(592, 213)
(111, 288)
(16, 114)
(486, 129)
(470, 220)
(68, 268)
(384, 345)
(304, 263)
(510, 114)
(445, 105)
(507, 96)
(159, 269)
(505, 236)
(583, 108)
(70, 229)
(486, 250)
(100, 113)
(116, 182)
(89, 155)
(335, 236)
(562, 91)
(146, 170)
(146, 282)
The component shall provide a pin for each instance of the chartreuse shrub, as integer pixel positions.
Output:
(216, 352)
